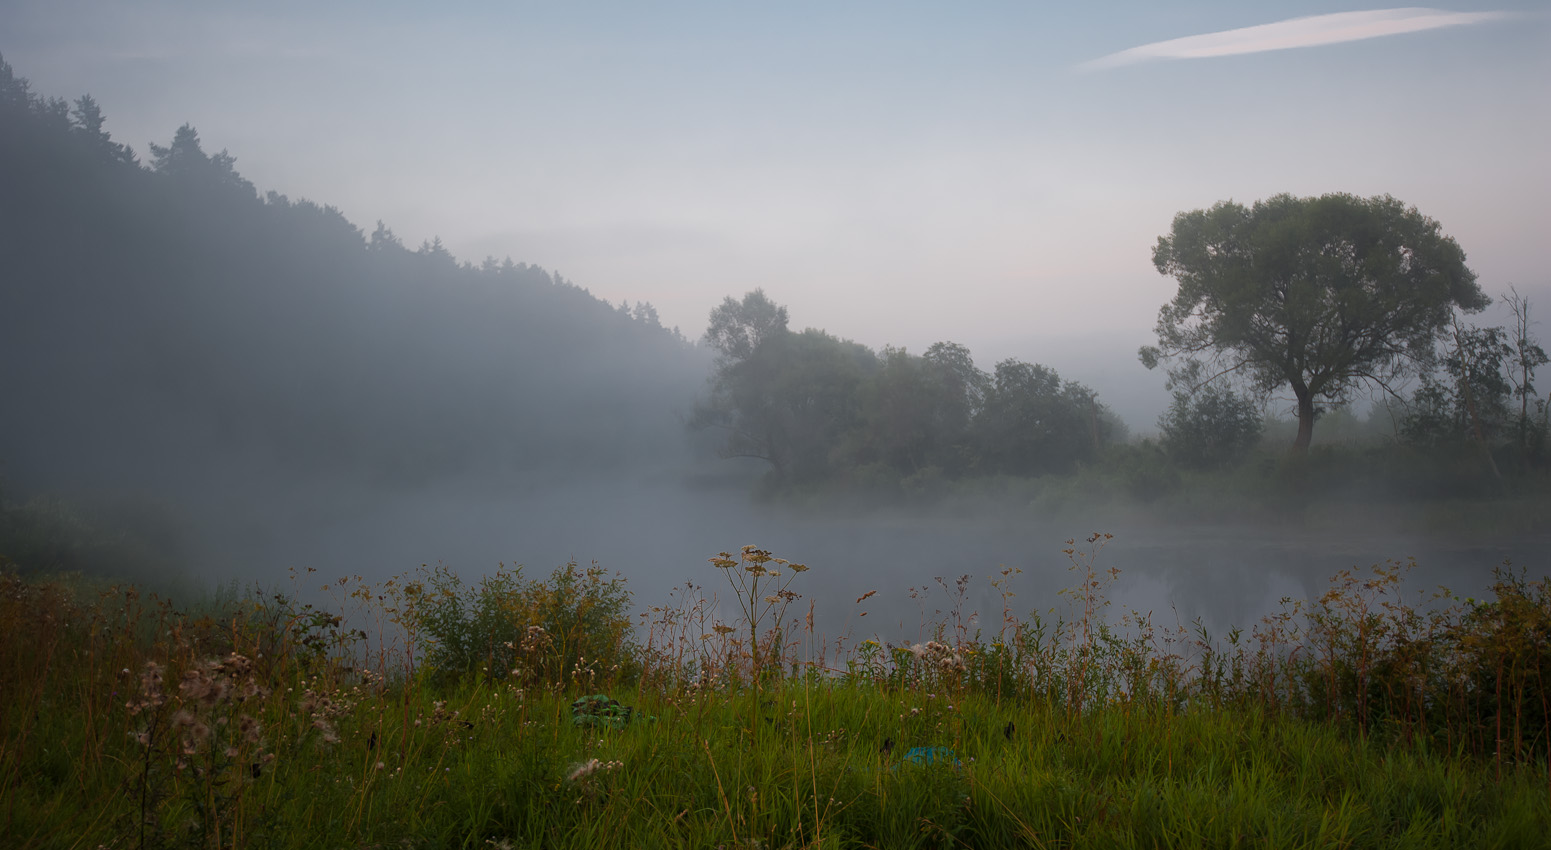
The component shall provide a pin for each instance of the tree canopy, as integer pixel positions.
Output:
(738, 327)
(820, 408)
(1319, 295)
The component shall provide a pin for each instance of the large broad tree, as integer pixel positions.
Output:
(782, 397)
(1317, 294)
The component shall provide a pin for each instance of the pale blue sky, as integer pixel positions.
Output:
(893, 172)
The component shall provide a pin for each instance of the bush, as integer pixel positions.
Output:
(572, 628)
(1209, 428)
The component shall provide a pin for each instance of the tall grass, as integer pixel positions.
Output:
(517, 712)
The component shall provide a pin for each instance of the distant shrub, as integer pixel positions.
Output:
(1209, 428)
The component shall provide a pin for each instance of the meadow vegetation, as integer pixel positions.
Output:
(541, 712)
(520, 711)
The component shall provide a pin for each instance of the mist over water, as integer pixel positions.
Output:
(658, 530)
(270, 386)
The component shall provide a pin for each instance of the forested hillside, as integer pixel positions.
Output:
(165, 323)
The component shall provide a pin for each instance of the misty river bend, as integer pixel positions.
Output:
(659, 534)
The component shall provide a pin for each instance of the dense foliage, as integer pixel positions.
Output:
(1210, 428)
(821, 409)
(531, 632)
(1318, 295)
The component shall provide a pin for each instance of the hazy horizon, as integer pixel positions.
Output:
(994, 176)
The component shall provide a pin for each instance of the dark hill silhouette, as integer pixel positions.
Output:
(163, 327)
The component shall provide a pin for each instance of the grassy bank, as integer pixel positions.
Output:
(532, 713)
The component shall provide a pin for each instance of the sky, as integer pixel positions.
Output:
(990, 173)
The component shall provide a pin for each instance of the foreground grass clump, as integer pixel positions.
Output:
(426, 712)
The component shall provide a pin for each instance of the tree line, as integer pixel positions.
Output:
(158, 317)
(165, 327)
(1316, 297)
(820, 409)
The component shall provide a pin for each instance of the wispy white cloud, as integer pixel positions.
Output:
(1295, 32)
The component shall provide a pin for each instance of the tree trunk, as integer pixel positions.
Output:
(1480, 432)
(1093, 422)
(1466, 371)
(1305, 419)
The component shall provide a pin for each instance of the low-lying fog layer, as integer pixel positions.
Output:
(659, 533)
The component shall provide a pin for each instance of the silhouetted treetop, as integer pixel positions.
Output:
(162, 322)
(184, 158)
(1315, 294)
(738, 327)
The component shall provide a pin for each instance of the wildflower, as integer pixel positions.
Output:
(584, 769)
(197, 686)
(248, 728)
(236, 665)
(151, 693)
(330, 735)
